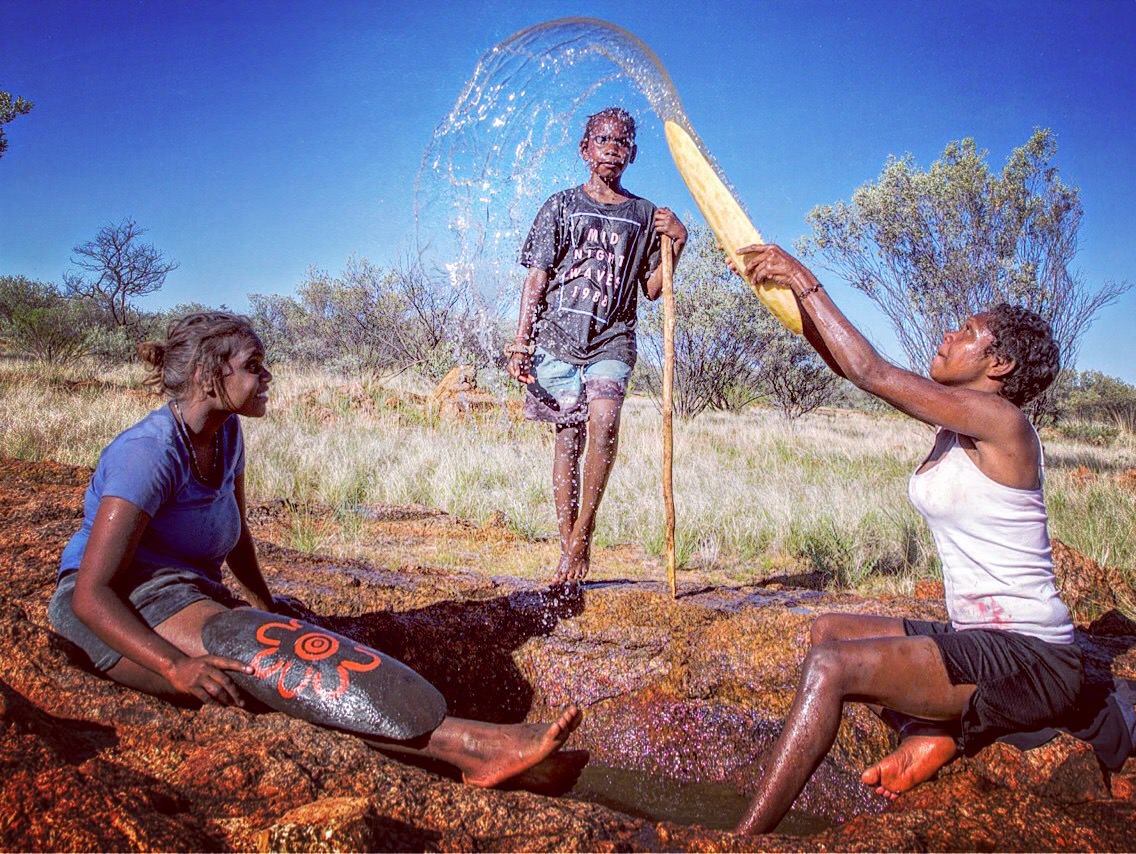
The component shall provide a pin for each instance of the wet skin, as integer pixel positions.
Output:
(597, 441)
(870, 659)
(862, 665)
(170, 659)
(488, 754)
(607, 149)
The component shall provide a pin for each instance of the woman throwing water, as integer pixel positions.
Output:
(1006, 661)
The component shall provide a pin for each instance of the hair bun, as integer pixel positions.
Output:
(153, 352)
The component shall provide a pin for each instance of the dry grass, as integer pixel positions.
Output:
(756, 495)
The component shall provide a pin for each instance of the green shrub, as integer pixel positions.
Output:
(1091, 433)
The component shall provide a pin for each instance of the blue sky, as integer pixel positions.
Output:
(255, 140)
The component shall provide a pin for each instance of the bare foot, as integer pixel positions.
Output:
(495, 752)
(552, 776)
(575, 561)
(915, 761)
(561, 574)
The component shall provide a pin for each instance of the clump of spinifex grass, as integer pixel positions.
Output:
(756, 496)
(67, 416)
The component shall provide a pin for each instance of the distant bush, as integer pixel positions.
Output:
(38, 320)
(378, 321)
(1089, 433)
(1094, 397)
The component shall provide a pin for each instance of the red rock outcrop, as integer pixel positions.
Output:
(688, 691)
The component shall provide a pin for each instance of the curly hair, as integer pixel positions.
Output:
(197, 348)
(1026, 338)
(609, 113)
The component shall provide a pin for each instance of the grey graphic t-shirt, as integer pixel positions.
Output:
(597, 256)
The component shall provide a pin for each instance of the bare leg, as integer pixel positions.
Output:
(902, 673)
(489, 754)
(566, 486)
(842, 627)
(919, 754)
(183, 630)
(599, 458)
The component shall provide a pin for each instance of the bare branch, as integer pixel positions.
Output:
(118, 268)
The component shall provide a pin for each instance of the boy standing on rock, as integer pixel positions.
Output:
(589, 251)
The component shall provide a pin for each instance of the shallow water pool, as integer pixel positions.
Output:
(713, 805)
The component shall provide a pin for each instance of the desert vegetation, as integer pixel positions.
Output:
(759, 495)
(781, 469)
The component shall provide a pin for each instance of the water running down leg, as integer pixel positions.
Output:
(599, 458)
(569, 448)
(871, 670)
(923, 750)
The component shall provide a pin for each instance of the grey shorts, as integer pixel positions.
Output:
(1021, 683)
(154, 601)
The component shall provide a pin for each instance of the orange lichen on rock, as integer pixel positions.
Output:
(685, 690)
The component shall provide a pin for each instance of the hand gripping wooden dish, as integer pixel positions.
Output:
(726, 219)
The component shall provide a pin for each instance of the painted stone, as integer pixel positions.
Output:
(324, 677)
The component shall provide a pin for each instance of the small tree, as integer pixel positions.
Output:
(793, 376)
(356, 314)
(443, 325)
(729, 349)
(119, 268)
(10, 108)
(721, 333)
(376, 320)
(1095, 396)
(282, 324)
(932, 247)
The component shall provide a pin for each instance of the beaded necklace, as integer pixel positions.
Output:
(184, 433)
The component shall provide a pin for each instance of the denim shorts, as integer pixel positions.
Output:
(154, 601)
(562, 391)
(1021, 683)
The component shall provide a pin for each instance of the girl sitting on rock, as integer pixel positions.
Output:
(1006, 661)
(166, 507)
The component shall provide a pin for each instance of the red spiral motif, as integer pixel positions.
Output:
(315, 646)
(281, 667)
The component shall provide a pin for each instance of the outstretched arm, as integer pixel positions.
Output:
(669, 224)
(978, 414)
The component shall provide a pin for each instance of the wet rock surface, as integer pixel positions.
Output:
(690, 691)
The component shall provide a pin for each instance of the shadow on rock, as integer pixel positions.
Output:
(77, 739)
(466, 648)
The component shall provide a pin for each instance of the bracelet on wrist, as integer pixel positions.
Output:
(810, 290)
(516, 348)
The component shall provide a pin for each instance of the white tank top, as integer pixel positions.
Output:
(994, 544)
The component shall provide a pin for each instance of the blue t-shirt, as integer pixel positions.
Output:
(192, 525)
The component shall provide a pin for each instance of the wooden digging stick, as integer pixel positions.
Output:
(668, 407)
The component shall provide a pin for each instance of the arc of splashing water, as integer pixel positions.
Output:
(557, 44)
(703, 179)
(571, 39)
